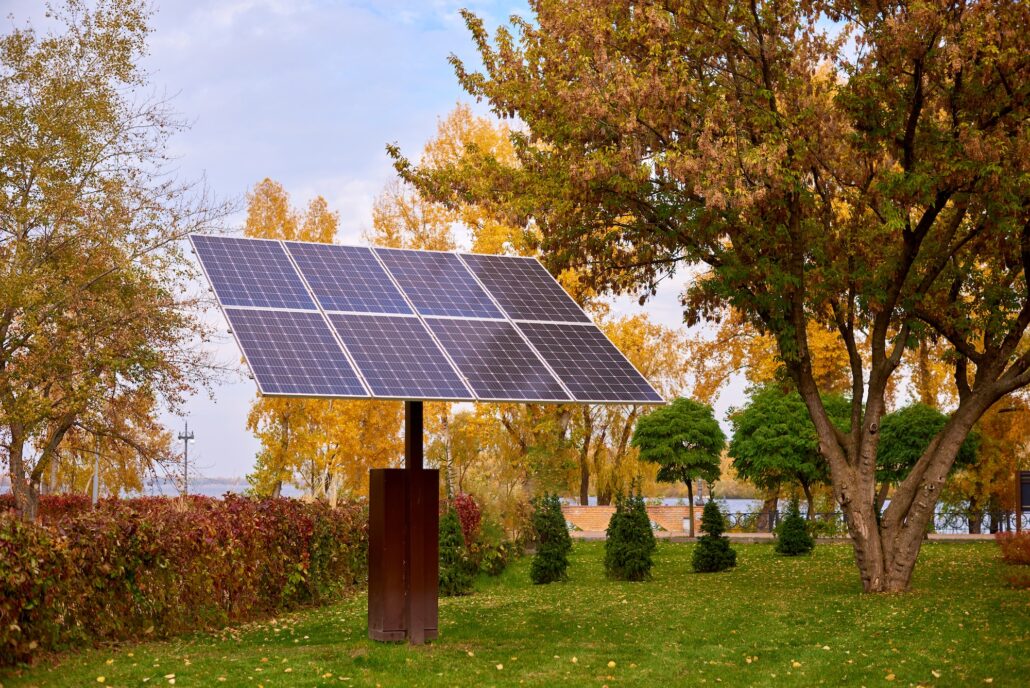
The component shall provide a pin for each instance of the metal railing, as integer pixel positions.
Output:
(831, 523)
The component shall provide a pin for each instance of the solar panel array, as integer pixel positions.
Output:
(350, 321)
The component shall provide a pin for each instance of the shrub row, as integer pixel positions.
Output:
(470, 544)
(158, 566)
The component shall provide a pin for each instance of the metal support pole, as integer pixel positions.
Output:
(414, 524)
(413, 430)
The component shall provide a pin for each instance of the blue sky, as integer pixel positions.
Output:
(308, 93)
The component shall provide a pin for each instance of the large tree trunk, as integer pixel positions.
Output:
(974, 517)
(26, 495)
(809, 501)
(886, 549)
(769, 505)
(881, 495)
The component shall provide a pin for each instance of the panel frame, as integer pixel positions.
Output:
(432, 338)
(257, 380)
(214, 291)
(586, 316)
(589, 322)
(318, 302)
(501, 315)
(607, 402)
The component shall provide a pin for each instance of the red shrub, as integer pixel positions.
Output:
(51, 507)
(469, 515)
(1015, 549)
(157, 566)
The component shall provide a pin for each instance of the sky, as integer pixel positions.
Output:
(309, 94)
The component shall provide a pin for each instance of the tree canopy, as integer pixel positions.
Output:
(686, 442)
(904, 436)
(858, 166)
(98, 329)
(774, 442)
(683, 438)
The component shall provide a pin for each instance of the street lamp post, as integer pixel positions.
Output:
(186, 436)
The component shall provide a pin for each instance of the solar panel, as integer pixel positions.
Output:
(330, 320)
(438, 284)
(398, 357)
(496, 361)
(294, 353)
(524, 288)
(347, 278)
(589, 364)
(251, 272)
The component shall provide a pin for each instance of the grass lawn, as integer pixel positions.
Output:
(772, 621)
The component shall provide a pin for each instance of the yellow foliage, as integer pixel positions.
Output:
(737, 347)
(401, 218)
(323, 446)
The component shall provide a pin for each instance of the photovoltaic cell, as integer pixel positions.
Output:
(589, 364)
(524, 288)
(293, 352)
(249, 272)
(347, 278)
(438, 283)
(496, 361)
(398, 357)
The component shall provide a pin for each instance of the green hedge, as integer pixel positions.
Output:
(154, 567)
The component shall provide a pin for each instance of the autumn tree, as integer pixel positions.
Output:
(984, 488)
(736, 347)
(95, 312)
(686, 442)
(323, 446)
(775, 445)
(857, 166)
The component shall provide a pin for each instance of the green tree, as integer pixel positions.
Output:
(630, 543)
(685, 440)
(775, 444)
(553, 543)
(95, 316)
(713, 553)
(846, 164)
(904, 436)
(792, 536)
(455, 569)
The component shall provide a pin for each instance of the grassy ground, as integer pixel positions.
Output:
(772, 621)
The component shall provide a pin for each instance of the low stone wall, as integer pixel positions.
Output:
(671, 520)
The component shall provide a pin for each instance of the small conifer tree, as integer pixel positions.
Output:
(792, 537)
(713, 552)
(630, 544)
(455, 569)
(553, 543)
